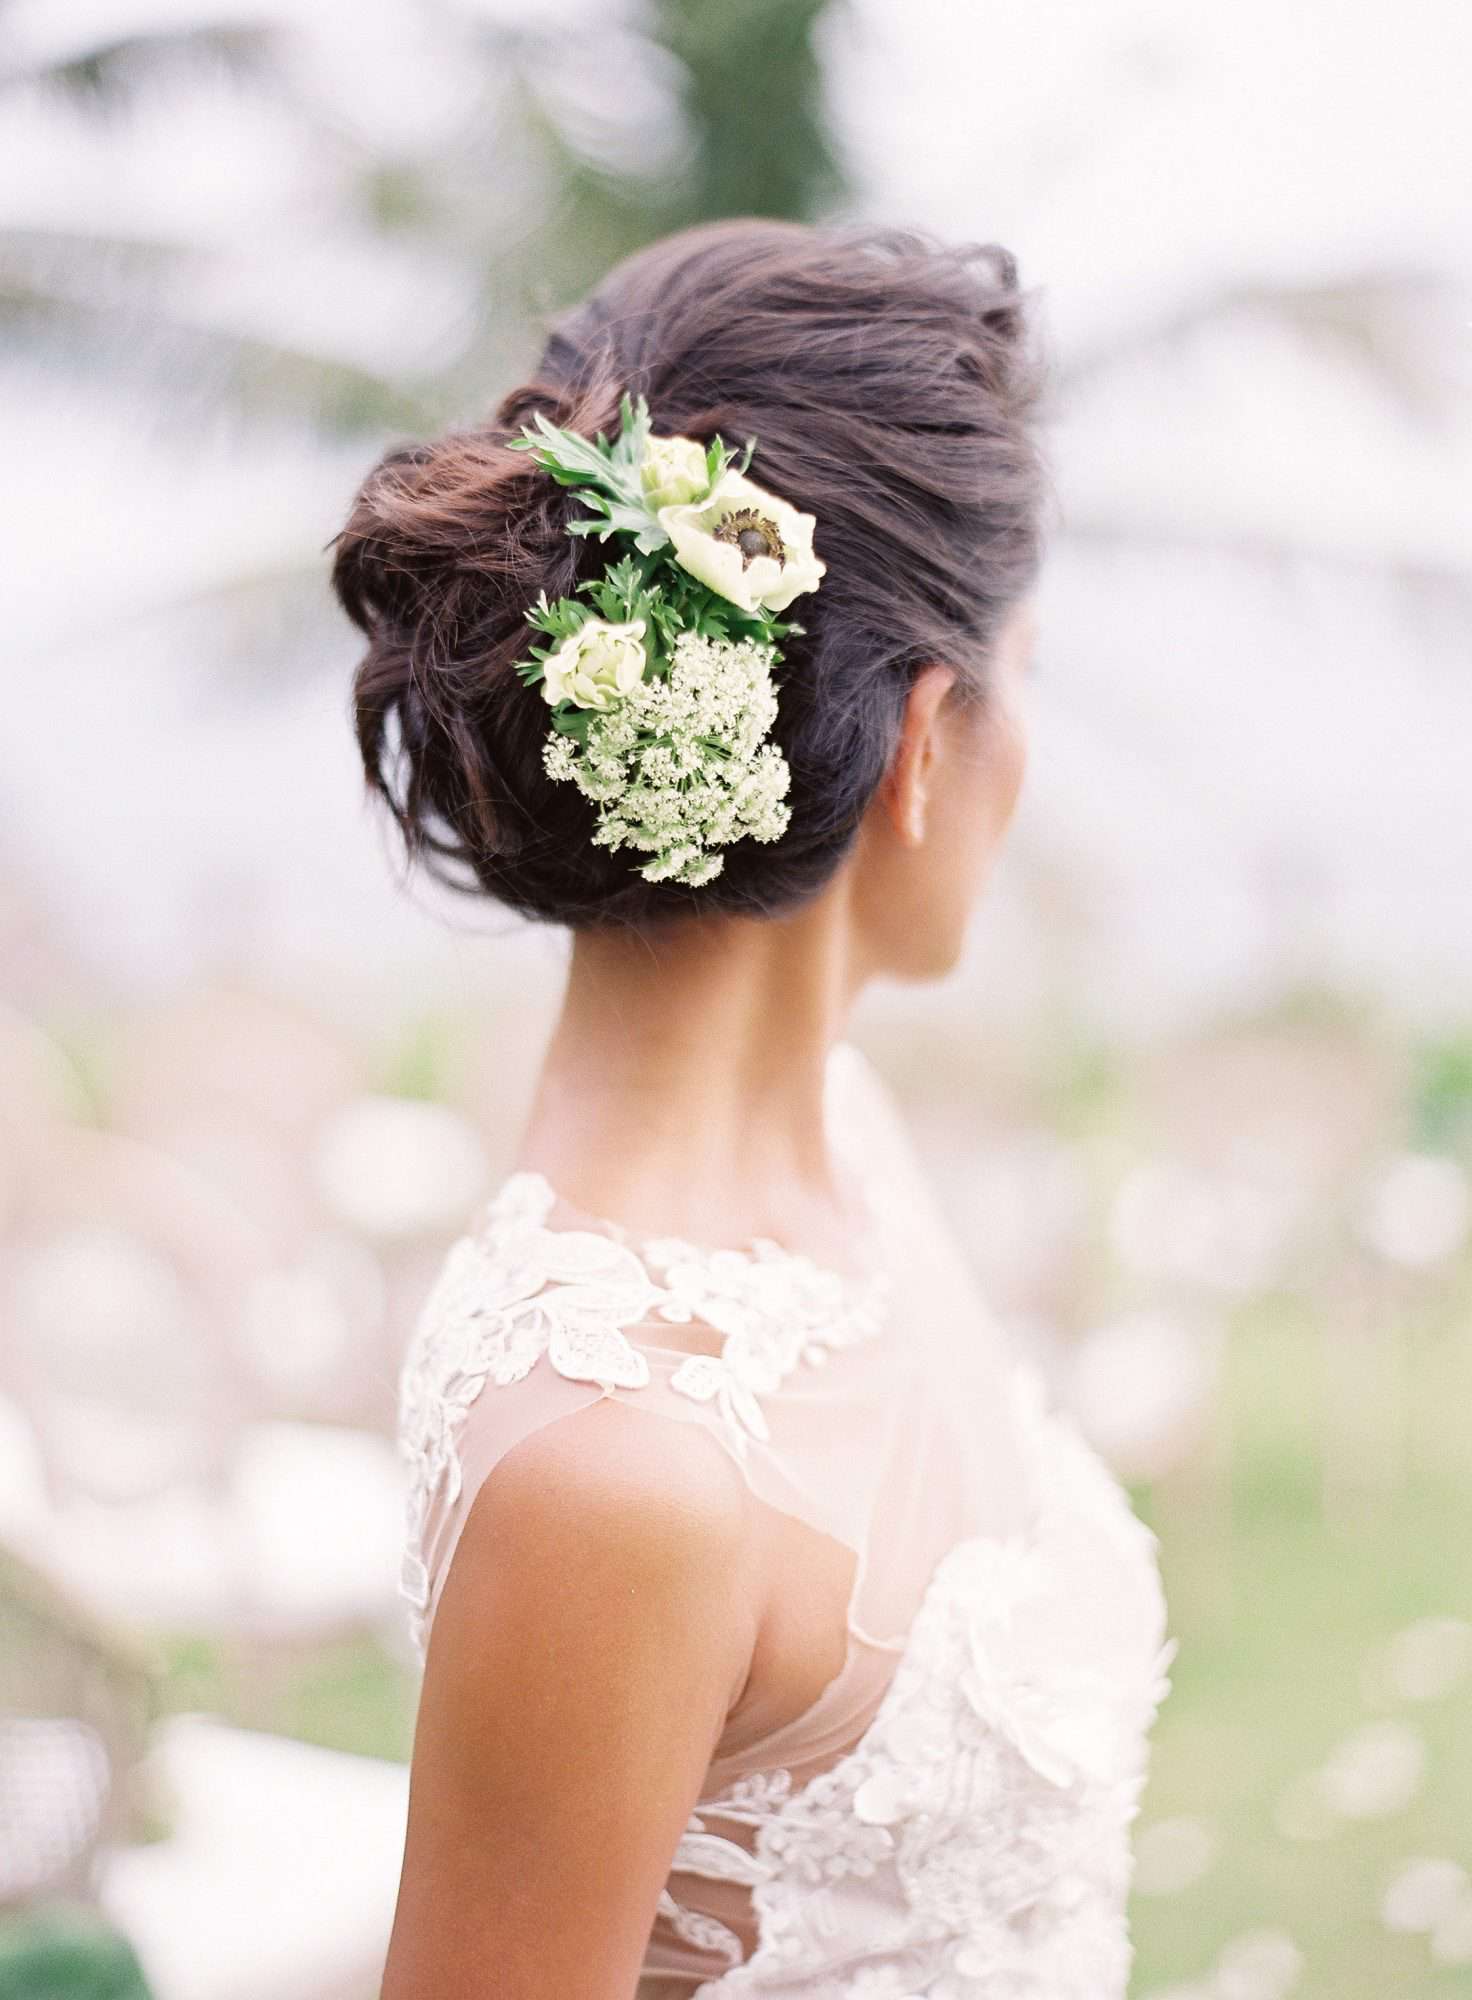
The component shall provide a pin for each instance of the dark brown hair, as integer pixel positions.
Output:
(889, 384)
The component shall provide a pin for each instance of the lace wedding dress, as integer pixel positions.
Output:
(951, 1816)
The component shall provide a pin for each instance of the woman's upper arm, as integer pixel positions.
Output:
(595, 1628)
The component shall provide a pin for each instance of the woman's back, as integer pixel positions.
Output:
(929, 1770)
(781, 1642)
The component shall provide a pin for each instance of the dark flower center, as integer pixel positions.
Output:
(753, 534)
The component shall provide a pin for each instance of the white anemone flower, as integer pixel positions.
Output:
(745, 544)
(598, 665)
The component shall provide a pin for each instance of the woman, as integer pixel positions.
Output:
(779, 1640)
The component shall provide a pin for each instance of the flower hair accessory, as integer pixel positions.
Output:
(659, 673)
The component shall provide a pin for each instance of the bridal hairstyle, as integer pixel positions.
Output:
(890, 385)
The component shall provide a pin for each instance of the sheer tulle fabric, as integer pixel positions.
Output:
(912, 1829)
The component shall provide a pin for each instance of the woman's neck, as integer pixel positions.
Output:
(682, 1091)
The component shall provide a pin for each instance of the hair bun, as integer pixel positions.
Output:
(461, 506)
(887, 381)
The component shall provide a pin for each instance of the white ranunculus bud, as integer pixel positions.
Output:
(597, 665)
(673, 472)
(745, 544)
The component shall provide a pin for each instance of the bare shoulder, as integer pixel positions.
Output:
(597, 1624)
(658, 1497)
(608, 1535)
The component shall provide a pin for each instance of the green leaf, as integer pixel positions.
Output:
(606, 476)
(562, 451)
(558, 621)
(571, 721)
(586, 481)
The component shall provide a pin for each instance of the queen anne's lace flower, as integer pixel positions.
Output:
(663, 701)
(679, 767)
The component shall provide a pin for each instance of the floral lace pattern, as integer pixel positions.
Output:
(777, 1310)
(513, 1291)
(975, 1844)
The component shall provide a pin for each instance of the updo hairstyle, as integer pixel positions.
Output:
(890, 385)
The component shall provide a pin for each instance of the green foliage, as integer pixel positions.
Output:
(574, 461)
(647, 584)
(609, 476)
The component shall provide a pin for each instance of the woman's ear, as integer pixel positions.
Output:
(906, 785)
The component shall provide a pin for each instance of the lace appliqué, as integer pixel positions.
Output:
(750, 1801)
(503, 1299)
(776, 1309)
(694, 1927)
(975, 1844)
(514, 1290)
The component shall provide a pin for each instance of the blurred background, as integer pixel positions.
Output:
(1200, 1099)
